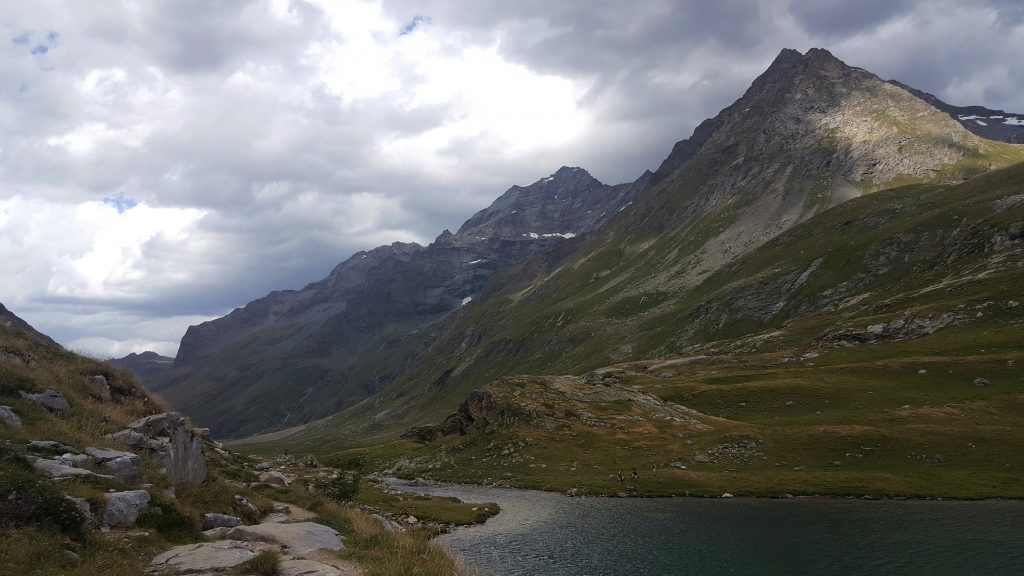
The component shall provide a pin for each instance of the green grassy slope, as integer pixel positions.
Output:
(903, 260)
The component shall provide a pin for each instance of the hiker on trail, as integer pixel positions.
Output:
(619, 478)
(636, 475)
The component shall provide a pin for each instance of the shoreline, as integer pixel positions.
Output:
(431, 483)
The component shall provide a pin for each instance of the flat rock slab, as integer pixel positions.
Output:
(208, 557)
(301, 538)
(306, 568)
(8, 417)
(56, 469)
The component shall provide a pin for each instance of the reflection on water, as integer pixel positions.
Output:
(539, 533)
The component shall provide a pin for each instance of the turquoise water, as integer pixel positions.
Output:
(540, 533)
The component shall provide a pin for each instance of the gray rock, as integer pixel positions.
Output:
(387, 525)
(302, 567)
(97, 387)
(51, 445)
(213, 520)
(76, 460)
(104, 454)
(263, 466)
(123, 507)
(49, 399)
(205, 558)
(70, 555)
(125, 466)
(275, 477)
(216, 533)
(981, 382)
(300, 537)
(677, 464)
(127, 469)
(9, 418)
(55, 469)
(172, 442)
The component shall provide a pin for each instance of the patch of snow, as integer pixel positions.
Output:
(561, 235)
(999, 117)
(533, 235)
(624, 207)
(1014, 121)
(363, 256)
(467, 300)
(972, 117)
(514, 211)
(980, 123)
(476, 261)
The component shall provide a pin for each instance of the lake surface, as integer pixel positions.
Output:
(540, 533)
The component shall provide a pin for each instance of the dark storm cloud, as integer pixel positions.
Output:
(262, 153)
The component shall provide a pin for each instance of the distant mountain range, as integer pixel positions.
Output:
(568, 274)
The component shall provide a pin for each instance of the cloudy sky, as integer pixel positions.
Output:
(164, 161)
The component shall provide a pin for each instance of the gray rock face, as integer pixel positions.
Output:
(124, 466)
(172, 442)
(50, 445)
(9, 418)
(49, 399)
(123, 507)
(57, 469)
(300, 537)
(213, 520)
(206, 558)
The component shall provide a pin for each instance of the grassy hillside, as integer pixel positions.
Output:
(43, 532)
(837, 316)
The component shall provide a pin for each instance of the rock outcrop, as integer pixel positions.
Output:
(50, 399)
(9, 418)
(171, 441)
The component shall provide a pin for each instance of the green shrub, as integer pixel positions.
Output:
(169, 522)
(27, 500)
(341, 488)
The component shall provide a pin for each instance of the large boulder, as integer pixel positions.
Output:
(123, 508)
(300, 537)
(49, 399)
(9, 418)
(171, 441)
(124, 466)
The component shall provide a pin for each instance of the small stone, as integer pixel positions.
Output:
(981, 382)
(677, 464)
(412, 520)
(263, 466)
(922, 371)
(727, 495)
(9, 418)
